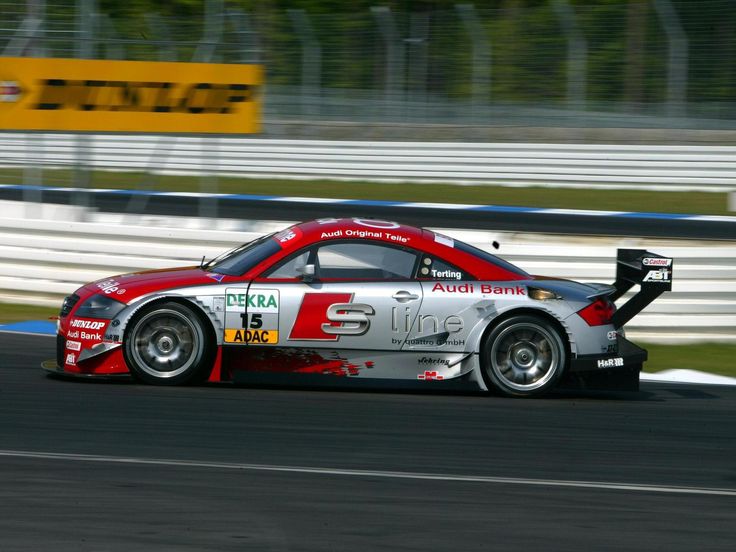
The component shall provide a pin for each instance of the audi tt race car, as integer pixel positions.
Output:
(353, 299)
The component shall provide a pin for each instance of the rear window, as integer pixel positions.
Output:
(464, 247)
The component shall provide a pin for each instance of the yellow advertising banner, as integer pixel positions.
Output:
(129, 96)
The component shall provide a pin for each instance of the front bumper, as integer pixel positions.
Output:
(99, 359)
(614, 371)
(52, 367)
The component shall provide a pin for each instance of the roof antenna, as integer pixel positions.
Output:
(201, 263)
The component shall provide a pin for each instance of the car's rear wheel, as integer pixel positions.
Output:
(168, 344)
(524, 355)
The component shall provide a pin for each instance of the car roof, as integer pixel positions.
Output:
(354, 228)
(481, 265)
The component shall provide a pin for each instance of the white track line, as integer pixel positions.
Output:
(371, 473)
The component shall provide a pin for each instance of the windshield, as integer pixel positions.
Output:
(241, 259)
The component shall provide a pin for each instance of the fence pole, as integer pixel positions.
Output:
(84, 49)
(481, 49)
(214, 15)
(30, 40)
(417, 45)
(577, 54)
(249, 49)
(214, 12)
(311, 63)
(393, 86)
(677, 49)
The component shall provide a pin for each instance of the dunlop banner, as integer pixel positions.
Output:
(129, 96)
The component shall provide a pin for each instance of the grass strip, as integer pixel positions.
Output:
(708, 203)
(715, 358)
(10, 312)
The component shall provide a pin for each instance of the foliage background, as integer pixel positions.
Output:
(626, 61)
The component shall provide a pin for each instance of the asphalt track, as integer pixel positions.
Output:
(116, 466)
(496, 218)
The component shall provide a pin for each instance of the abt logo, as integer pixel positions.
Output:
(327, 316)
(661, 275)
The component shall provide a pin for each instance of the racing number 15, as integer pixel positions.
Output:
(255, 322)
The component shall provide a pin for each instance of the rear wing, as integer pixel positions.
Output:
(652, 272)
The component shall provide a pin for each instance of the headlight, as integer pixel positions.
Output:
(542, 294)
(100, 306)
(68, 304)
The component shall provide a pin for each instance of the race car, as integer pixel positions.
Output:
(356, 299)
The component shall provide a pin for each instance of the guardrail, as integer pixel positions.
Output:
(41, 260)
(667, 168)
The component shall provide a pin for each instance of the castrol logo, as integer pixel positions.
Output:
(656, 261)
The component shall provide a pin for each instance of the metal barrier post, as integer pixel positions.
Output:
(677, 48)
(33, 173)
(311, 63)
(481, 56)
(577, 53)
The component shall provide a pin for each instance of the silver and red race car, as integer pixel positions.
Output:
(364, 300)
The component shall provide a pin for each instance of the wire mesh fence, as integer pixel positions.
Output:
(641, 63)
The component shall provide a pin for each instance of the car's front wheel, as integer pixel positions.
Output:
(523, 355)
(168, 344)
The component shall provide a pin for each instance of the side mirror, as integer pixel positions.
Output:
(307, 272)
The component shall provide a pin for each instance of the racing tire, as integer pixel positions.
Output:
(169, 344)
(523, 356)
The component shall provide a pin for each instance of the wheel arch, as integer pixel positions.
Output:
(540, 313)
(208, 324)
(559, 324)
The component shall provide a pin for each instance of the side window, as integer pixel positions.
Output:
(367, 261)
(432, 268)
(291, 268)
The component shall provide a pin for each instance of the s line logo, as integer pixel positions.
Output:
(327, 316)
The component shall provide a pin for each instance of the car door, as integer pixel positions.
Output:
(349, 318)
(448, 310)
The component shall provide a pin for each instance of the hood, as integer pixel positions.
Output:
(126, 287)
